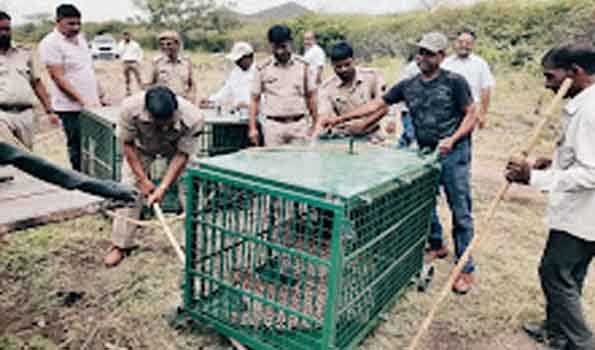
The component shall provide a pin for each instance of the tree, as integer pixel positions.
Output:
(182, 15)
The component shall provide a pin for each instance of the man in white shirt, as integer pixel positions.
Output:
(73, 86)
(570, 182)
(236, 90)
(314, 55)
(475, 70)
(131, 55)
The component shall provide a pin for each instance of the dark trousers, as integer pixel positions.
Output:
(72, 129)
(562, 271)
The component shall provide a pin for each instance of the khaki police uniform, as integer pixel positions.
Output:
(17, 73)
(283, 89)
(156, 147)
(338, 98)
(176, 75)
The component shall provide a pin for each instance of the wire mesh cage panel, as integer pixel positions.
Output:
(101, 154)
(222, 134)
(304, 248)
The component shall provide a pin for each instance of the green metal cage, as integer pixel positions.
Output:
(304, 248)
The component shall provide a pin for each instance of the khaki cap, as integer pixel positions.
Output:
(169, 34)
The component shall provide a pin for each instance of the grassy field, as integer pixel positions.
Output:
(55, 292)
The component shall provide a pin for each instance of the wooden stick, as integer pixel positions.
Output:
(488, 217)
(174, 243)
(168, 232)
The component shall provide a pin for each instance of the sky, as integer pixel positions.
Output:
(99, 10)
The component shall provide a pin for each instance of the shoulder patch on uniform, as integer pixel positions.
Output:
(300, 59)
(367, 70)
(262, 65)
(329, 82)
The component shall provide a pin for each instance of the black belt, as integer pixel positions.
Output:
(14, 108)
(284, 119)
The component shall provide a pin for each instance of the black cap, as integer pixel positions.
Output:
(161, 102)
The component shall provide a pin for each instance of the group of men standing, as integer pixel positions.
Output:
(445, 99)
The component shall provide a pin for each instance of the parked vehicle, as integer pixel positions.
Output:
(105, 47)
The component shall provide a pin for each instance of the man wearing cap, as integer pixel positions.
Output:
(236, 90)
(152, 126)
(131, 55)
(443, 115)
(351, 87)
(314, 55)
(288, 92)
(73, 85)
(173, 70)
(20, 82)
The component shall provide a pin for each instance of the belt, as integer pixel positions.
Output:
(286, 119)
(14, 108)
(130, 61)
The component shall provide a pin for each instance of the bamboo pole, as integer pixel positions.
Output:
(531, 143)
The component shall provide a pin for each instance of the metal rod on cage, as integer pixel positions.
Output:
(531, 143)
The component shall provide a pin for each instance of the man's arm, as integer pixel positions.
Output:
(467, 125)
(175, 169)
(374, 118)
(42, 93)
(191, 85)
(372, 107)
(486, 94)
(254, 110)
(319, 74)
(56, 72)
(313, 107)
(130, 151)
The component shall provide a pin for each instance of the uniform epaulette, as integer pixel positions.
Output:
(300, 59)
(367, 70)
(329, 82)
(262, 65)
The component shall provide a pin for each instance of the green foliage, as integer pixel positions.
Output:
(510, 32)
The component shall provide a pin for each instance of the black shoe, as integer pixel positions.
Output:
(536, 331)
(539, 333)
(557, 342)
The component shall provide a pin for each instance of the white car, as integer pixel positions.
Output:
(105, 47)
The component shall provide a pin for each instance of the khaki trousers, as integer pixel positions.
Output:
(279, 133)
(131, 67)
(16, 128)
(123, 232)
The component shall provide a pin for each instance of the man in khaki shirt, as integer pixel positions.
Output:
(154, 125)
(350, 88)
(173, 70)
(20, 82)
(288, 92)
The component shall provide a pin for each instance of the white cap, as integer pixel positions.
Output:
(239, 50)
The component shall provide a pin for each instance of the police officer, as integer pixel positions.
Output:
(287, 88)
(153, 126)
(349, 88)
(19, 83)
(173, 70)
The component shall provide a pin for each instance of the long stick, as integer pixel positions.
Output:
(174, 243)
(488, 217)
(168, 233)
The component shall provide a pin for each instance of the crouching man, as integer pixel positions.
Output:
(153, 126)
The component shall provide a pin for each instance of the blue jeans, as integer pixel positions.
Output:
(408, 133)
(455, 180)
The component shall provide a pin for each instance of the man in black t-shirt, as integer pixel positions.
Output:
(441, 109)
